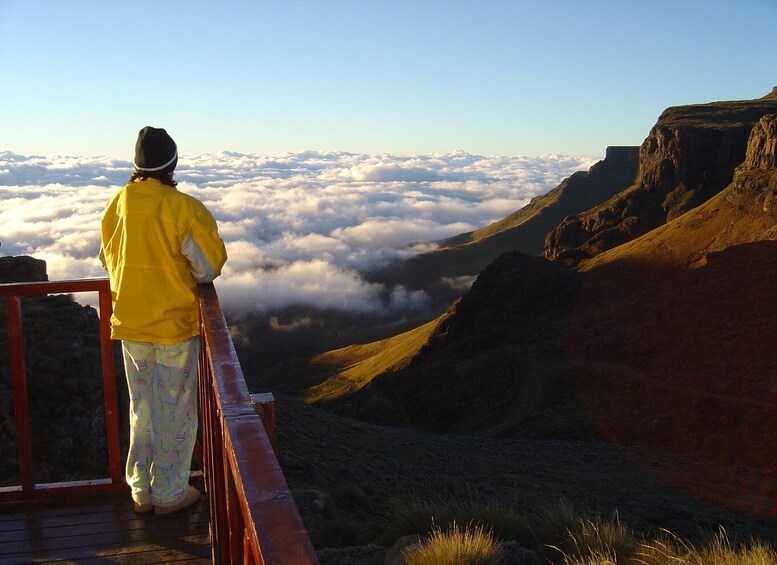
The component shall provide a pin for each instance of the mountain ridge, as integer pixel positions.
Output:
(467, 254)
(539, 349)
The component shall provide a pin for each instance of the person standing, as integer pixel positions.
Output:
(157, 244)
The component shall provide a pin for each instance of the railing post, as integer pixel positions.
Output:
(264, 405)
(109, 388)
(236, 524)
(248, 554)
(28, 489)
(19, 386)
(210, 422)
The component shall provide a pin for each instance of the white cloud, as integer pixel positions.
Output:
(277, 326)
(397, 233)
(310, 283)
(462, 283)
(299, 227)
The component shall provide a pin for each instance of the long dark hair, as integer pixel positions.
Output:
(161, 176)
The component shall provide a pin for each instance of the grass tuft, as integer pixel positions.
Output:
(666, 548)
(456, 546)
(559, 532)
(721, 552)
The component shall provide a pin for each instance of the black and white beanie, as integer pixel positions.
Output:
(155, 151)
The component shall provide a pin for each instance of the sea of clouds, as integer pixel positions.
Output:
(300, 228)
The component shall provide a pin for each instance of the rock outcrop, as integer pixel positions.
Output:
(22, 269)
(762, 146)
(689, 156)
(754, 189)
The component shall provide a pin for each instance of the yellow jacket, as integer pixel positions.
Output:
(157, 244)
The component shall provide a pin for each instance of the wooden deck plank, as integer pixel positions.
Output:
(110, 535)
(146, 558)
(101, 530)
(84, 535)
(54, 526)
(110, 504)
(194, 548)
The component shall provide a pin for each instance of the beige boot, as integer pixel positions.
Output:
(190, 497)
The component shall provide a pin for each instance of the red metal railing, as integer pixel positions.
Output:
(253, 518)
(28, 489)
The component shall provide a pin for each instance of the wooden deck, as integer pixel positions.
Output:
(102, 530)
(249, 515)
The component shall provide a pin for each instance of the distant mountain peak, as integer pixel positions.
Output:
(772, 95)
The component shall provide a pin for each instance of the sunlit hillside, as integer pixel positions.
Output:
(357, 365)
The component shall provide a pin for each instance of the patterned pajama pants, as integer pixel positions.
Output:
(162, 381)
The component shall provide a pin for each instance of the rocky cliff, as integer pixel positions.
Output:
(745, 212)
(688, 157)
(579, 192)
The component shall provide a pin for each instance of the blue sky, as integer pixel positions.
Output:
(487, 77)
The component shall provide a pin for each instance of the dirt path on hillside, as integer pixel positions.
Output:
(544, 378)
(615, 369)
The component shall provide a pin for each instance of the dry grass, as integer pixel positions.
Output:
(666, 549)
(598, 540)
(456, 546)
(721, 552)
(558, 532)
